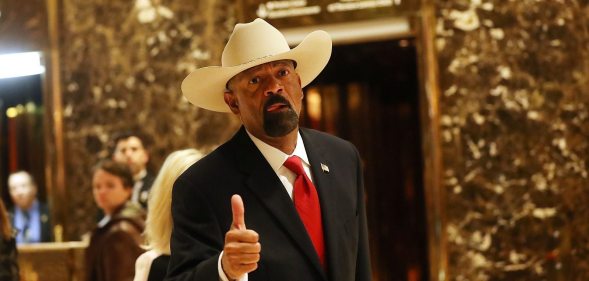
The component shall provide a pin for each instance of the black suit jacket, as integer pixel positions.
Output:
(146, 183)
(201, 211)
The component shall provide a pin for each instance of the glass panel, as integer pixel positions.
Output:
(368, 94)
(21, 127)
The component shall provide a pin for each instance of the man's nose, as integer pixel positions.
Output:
(273, 87)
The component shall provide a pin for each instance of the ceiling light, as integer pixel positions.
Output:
(20, 64)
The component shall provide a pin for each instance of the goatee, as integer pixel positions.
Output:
(279, 124)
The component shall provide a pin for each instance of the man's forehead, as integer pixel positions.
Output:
(20, 177)
(132, 140)
(272, 63)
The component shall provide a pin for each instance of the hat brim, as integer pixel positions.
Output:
(204, 87)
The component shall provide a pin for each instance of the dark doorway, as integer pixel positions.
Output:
(22, 145)
(368, 94)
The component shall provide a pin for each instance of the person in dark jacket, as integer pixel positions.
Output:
(115, 243)
(8, 253)
(130, 148)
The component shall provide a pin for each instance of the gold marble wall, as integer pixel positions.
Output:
(514, 134)
(23, 26)
(121, 65)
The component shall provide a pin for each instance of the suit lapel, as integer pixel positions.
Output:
(264, 183)
(325, 184)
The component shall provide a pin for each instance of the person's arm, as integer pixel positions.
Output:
(224, 277)
(142, 267)
(9, 262)
(197, 239)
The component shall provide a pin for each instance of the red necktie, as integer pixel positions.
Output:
(306, 202)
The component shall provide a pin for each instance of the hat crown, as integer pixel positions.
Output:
(252, 41)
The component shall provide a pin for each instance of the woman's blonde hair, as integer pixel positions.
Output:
(158, 229)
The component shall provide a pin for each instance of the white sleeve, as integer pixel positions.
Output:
(222, 276)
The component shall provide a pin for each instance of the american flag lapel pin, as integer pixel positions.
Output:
(325, 168)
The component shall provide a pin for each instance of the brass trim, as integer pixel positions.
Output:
(354, 32)
(425, 26)
(55, 162)
(41, 247)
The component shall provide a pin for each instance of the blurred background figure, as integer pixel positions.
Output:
(8, 257)
(115, 243)
(130, 149)
(30, 217)
(153, 264)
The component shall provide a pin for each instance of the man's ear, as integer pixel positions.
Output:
(231, 101)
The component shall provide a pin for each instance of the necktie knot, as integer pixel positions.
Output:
(294, 164)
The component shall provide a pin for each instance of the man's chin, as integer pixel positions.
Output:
(280, 124)
(278, 133)
(280, 130)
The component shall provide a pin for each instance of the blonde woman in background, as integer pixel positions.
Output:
(152, 265)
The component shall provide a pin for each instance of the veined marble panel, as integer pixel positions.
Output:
(515, 129)
(122, 63)
(23, 26)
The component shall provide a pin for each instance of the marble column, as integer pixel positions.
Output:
(514, 135)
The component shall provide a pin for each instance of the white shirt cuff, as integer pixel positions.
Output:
(222, 275)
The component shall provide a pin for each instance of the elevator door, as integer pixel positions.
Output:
(22, 145)
(368, 94)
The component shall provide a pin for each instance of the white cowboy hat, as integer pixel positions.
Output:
(249, 45)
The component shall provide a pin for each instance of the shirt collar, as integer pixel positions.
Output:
(140, 175)
(104, 221)
(275, 156)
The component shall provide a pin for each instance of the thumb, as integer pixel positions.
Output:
(238, 212)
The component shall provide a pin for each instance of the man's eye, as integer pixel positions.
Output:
(255, 80)
(284, 72)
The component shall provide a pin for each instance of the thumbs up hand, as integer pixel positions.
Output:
(241, 252)
(238, 212)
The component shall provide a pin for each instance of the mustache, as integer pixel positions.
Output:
(276, 99)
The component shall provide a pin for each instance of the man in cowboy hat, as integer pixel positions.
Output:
(276, 202)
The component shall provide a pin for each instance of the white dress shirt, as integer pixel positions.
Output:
(138, 185)
(276, 159)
